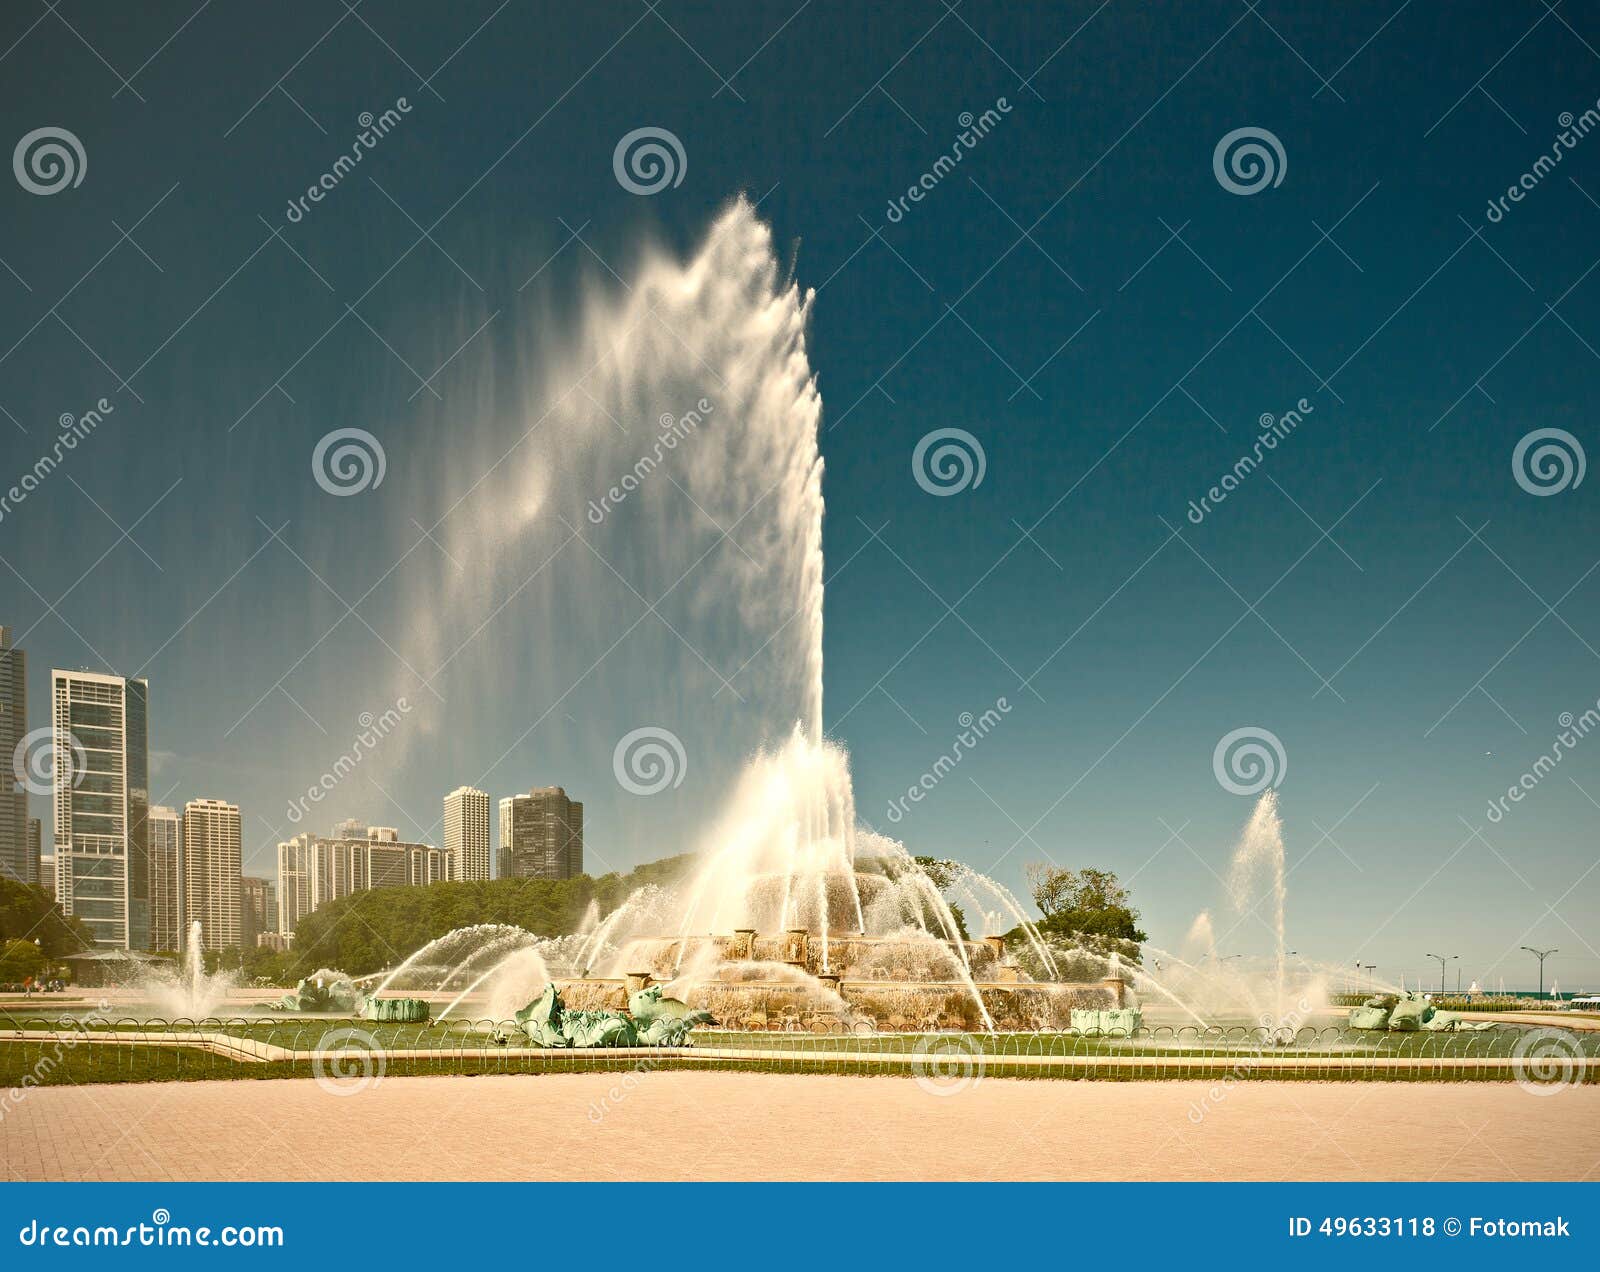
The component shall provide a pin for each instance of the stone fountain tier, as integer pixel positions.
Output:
(831, 1005)
(795, 980)
(849, 956)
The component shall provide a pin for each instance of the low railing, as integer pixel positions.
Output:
(42, 1051)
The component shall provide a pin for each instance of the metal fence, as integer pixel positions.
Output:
(38, 1051)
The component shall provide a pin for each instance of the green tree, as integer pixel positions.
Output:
(28, 913)
(1088, 907)
(371, 930)
(19, 960)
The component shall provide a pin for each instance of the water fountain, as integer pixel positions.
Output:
(190, 992)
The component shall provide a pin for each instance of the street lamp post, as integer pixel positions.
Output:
(1541, 955)
(1443, 959)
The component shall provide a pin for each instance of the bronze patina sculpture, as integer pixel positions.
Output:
(650, 1021)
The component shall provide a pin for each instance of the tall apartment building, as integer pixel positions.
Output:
(211, 871)
(19, 859)
(167, 925)
(313, 871)
(100, 727)
(258, 910)
(541, 835)
(295, 866)
(466, 832)
(46, 873)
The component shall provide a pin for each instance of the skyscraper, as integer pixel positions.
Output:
(166, 880)
(258, 910)
(211, 871)
(46, 872)
(295, 867)
(541, 835)
(466, 832)
(102, 798)
(17, 861)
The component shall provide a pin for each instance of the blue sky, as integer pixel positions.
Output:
(1081, 294)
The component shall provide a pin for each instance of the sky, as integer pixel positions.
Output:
(1397, 602)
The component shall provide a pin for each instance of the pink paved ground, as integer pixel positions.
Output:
(755, 1126)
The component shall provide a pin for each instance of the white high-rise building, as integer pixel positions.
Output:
(295, 867)
(167, 926)
(466, 832)
(102, 797)
(211, 871)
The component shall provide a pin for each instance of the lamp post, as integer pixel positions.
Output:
(1541, 955)
(1443, 959)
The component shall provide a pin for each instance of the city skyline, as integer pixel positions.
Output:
(1373, 594)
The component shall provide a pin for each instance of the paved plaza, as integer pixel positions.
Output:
(689, 1125)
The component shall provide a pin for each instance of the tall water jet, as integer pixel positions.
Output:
(1261, 849)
